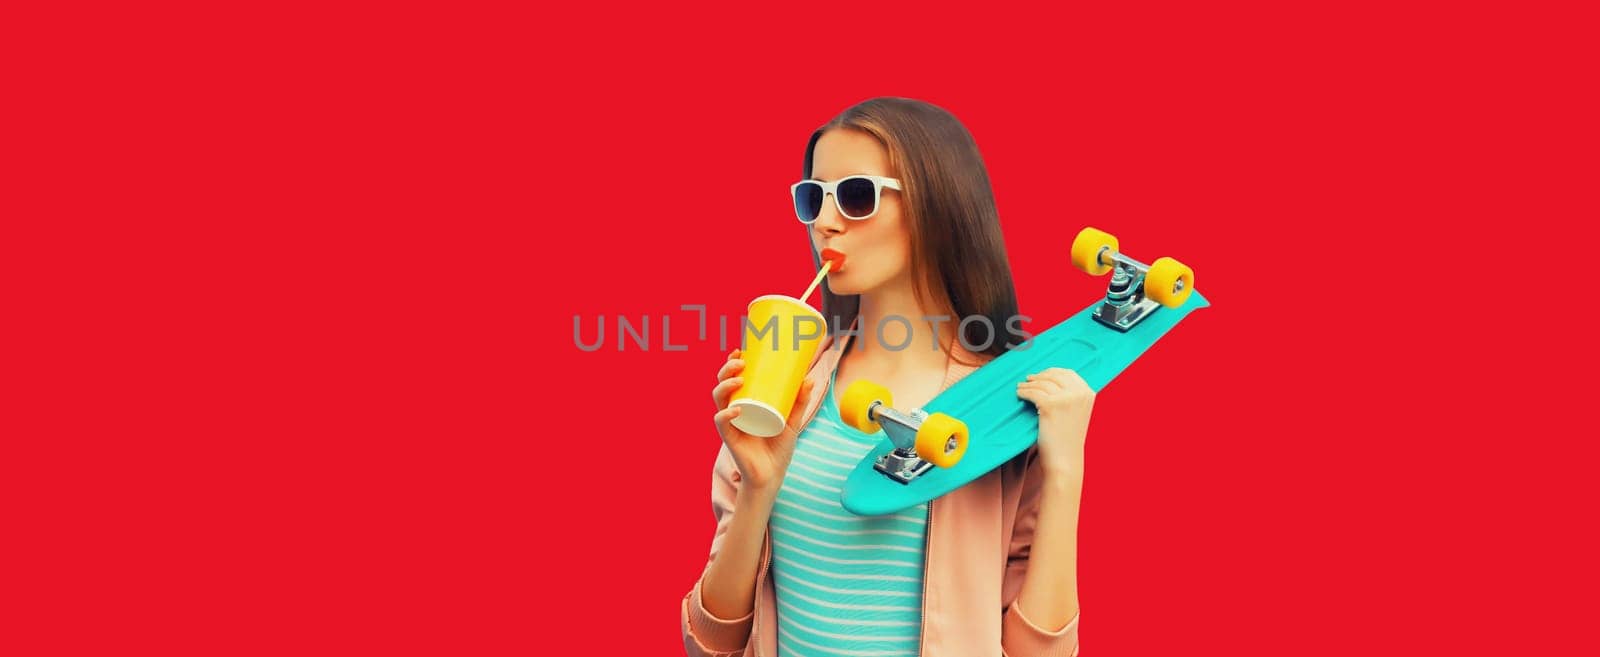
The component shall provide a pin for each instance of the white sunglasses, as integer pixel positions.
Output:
(855, 196)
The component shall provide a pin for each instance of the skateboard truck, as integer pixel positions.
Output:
(1136, 289)
(921, 440)
(902, 464)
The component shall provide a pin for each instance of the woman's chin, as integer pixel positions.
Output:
(840, 284)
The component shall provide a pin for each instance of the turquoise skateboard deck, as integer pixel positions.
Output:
(1000, 425)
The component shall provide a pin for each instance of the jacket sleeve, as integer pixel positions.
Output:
(1020, 636)
(705, 635)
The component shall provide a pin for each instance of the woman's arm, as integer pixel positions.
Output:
(1043, 617)
(1050, 591)
(717, 612)
(713, 622)
(726, 589)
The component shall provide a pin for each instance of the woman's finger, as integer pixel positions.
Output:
(800, 397)
(724, 390)
(730, 368)
(1048, 385)
(1041, 385)
(724, 419)
(791, 428)
(1028, 393)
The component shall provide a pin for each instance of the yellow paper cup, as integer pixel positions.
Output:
(781, 335)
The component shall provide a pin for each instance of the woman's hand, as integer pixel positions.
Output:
(1064, 401)
(762, 461)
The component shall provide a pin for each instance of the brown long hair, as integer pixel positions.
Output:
(958, 256)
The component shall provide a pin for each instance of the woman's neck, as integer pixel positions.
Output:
(897, 331)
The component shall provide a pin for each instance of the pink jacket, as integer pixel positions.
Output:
(972, 573)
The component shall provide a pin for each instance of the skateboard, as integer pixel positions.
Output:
(979, 423)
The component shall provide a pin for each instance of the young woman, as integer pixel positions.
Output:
(989, 569)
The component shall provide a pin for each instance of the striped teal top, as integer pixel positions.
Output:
(847, 584)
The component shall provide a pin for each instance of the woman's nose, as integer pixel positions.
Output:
(829, 221)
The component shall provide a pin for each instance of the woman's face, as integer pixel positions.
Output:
(877, 249)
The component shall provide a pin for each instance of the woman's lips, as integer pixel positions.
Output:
(834, 256)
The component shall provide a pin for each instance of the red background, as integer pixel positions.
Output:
(291, 297)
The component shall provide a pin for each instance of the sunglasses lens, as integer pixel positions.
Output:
(808, 201)
(857, 197)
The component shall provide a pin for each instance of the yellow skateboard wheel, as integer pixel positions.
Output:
(1169, 282)
(1086, 251)
(858, 400)
(942, 440)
